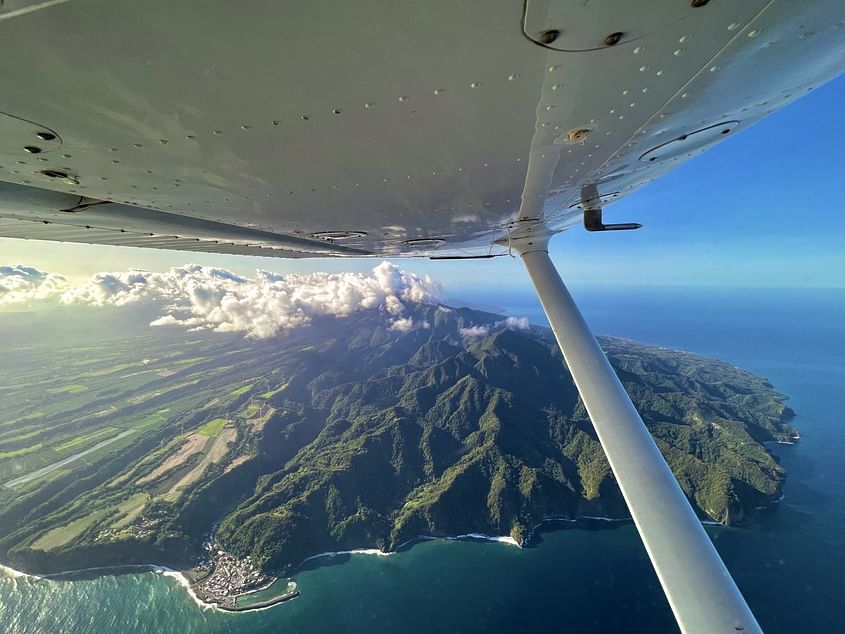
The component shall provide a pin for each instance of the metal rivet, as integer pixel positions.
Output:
(475, 84)
(32, 149)
(369, 105)
(678, 52)
(439, 91)
(639, 50)
(548, 36)
(217, 132)
(404, 98)
(336, 111)
(513, 77)
(45, 136)
(613, 39)
(553, 68)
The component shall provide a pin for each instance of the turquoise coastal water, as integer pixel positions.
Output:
(590, 577)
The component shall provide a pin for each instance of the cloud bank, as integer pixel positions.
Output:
(22, 284)
(208, 298)
(509, 323)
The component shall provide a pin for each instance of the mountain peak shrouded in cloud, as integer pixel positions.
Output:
(209, 298)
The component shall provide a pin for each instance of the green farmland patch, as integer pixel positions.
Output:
(74, 388)
(93, 436)
(213, 427)
(242, 390)
(20, 452)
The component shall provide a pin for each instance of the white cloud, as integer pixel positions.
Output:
(514, 323)
(510, 323)
(23, 284)
(475, 331)
(165, 320)
(207, 298)
(403, 324)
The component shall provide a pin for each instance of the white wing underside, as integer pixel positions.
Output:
(372, 128)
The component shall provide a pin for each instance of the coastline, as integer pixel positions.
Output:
(186, 580)
(180, 577)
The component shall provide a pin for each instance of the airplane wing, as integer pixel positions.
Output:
(323, 128)
(376, 128)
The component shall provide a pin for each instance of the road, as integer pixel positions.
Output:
(61, 463)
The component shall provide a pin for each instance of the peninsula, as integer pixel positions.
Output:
(348, 433)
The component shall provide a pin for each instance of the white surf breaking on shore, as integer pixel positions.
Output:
(180, 578)
(503, 539)
(183, 581)
(575, 520)
(354, 551)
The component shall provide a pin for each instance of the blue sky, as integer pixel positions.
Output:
(765, 208)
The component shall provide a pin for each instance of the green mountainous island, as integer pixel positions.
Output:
(121, 444)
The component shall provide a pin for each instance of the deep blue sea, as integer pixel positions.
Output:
(789, 563)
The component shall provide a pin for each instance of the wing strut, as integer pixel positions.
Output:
(700, 590)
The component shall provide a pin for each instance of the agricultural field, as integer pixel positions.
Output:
(106, 437)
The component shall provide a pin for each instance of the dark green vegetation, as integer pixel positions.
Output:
(342, 434)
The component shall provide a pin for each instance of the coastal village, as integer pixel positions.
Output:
(222, 577)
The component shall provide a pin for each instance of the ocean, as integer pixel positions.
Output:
(592, 576)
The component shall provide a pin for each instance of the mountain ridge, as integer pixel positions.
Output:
(354, 433)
